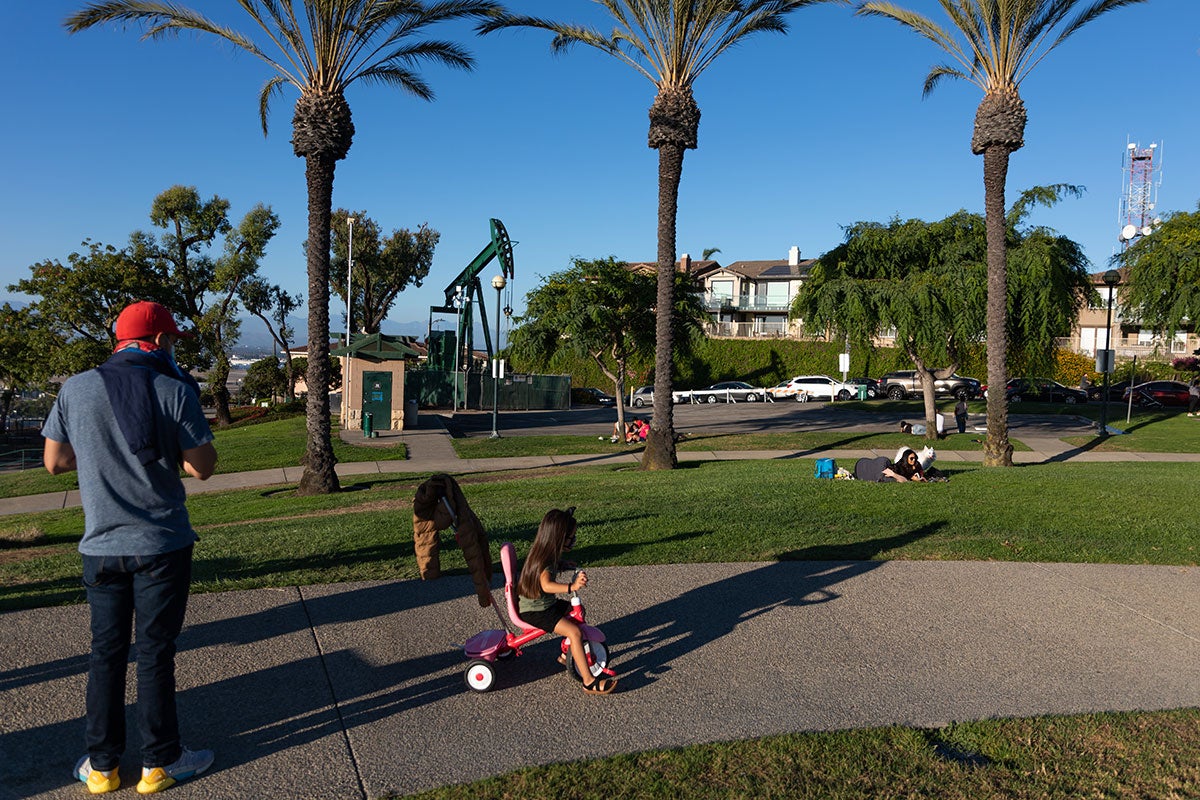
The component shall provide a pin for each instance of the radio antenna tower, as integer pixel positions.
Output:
(1142, 169)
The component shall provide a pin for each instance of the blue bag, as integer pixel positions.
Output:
(826, 468)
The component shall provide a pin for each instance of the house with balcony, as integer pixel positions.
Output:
(1129, 337)
(751, 298)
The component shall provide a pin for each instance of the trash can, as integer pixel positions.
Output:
(862, 391)
(368, 424)
(410, 415)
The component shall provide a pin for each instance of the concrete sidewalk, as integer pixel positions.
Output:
(355, 691)
(430, 451)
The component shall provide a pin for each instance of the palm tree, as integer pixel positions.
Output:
(995, 44)
(319, 47)
(670, 42)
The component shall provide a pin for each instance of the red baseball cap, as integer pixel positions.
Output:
(145, 320)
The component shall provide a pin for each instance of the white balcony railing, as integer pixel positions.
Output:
(713, 302)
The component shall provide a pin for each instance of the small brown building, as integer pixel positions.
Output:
(373, 380)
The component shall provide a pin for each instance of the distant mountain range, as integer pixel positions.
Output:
(255, 340)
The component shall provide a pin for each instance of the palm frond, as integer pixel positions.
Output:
(938, 73)
(270, 89)
(399, 78)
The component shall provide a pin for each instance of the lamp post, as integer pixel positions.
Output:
(346, 377)
(1111, 279)
(498, 283)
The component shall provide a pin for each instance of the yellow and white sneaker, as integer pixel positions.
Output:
(190, 764)
(98, 782)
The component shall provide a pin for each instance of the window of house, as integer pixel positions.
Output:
(722, 288)
(777, 293)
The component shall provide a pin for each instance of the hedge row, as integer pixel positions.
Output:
(766, 362)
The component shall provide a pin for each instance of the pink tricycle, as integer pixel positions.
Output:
(486, 647)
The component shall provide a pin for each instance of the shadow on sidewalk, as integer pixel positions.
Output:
(666, 631)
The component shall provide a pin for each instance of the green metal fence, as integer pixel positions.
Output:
(516, 392)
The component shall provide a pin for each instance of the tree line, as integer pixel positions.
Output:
(206, 269)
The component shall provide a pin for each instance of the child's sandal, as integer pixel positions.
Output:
(600, 686)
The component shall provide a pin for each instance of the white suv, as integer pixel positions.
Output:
(804, 387)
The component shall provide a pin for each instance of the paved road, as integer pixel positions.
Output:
(723, 418)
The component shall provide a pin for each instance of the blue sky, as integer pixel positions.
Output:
(800, 135)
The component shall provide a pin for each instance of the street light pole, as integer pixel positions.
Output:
(346, 377)
(458, 301)
(1111, 279)
(498, 283)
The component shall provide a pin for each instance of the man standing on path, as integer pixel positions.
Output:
(128, 426)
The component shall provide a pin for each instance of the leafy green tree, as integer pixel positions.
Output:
(928, 281)
(273, 306)
(383, 267)
(922, 279)
(319, 47)
(602, 310)
(1162, 274)
(205, 288)
(24, 343)
(77, 303)
(264, 379)
(995, 44)
(671, 43)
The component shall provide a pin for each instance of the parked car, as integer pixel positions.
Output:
(644, 396)
(804, 387)
(1167, 393)
(726, 391)
(907, 383)
(871, 384)
(589, 396)
(1115, 390)
(1042, 390)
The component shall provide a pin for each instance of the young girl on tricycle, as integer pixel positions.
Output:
(536, 589)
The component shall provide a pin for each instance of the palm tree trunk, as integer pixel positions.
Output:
(319, 476)
(998, 451)
(660, 443)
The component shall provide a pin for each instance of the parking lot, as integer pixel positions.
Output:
(726, 418)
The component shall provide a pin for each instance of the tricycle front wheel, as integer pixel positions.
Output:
(597, 662)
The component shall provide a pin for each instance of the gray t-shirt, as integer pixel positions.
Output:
(129, 509)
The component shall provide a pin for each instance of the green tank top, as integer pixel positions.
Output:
(536, 603)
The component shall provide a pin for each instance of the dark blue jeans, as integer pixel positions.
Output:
(155, 588)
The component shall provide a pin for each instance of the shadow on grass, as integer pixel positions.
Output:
(35, 594)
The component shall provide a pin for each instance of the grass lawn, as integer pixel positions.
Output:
(266, 445)
(270, 537)
(1144, 755)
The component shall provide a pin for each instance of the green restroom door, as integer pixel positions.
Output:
(377, 399)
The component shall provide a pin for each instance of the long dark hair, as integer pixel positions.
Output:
(902, 466)
(547, 548)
